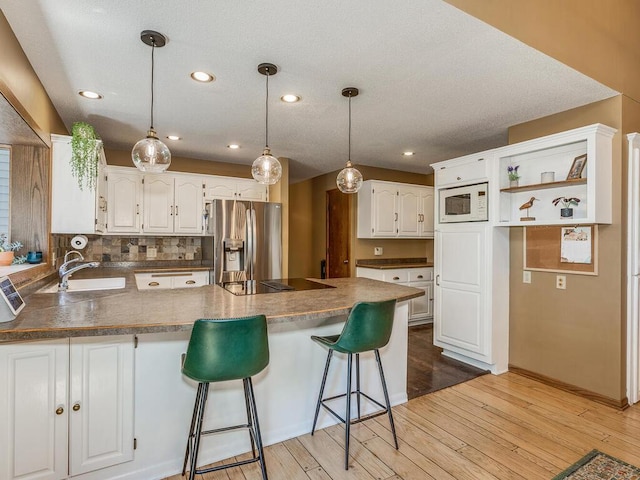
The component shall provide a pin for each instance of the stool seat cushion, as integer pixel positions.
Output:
(227, 349)
(368, 327)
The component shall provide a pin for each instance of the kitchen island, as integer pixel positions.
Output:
(153, 401)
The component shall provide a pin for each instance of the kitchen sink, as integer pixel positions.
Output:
(88, 284)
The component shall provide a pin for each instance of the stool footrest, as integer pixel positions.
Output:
(226, 465)
(359, 419)
(228, 429)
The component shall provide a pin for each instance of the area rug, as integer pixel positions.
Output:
(599, 466)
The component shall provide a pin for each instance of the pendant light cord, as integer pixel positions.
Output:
(266, 120)
(153, 49)
(349, 158)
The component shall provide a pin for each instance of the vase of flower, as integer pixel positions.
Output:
(566, 211)
(512, 173)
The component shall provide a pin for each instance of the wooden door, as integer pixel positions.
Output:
(338, 233)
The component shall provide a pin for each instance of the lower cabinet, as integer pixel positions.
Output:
(421, 308)
(66, 406)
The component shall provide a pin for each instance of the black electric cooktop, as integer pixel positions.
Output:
(273, 286)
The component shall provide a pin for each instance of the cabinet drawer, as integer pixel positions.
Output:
(396, 275)
(466, 173)
(421, 274)
(190, 279)
(152, 281)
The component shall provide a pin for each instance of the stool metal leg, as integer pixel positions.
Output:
(249, 415)
(347, 423)
(386, 398)
(358, 383)
(324, 381)
(191, 428)
(256, 424)
(200, 418)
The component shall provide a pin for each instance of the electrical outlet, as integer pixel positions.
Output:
(526, 276)
(152, 252)
(561, 282)
(377, 250)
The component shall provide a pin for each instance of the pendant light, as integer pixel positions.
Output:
(266, 169)
(150, 154)
(349, 179)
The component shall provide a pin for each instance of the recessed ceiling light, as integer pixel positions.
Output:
(203, 77)
(174, 137)
(89, 94)
(233, 146)
(407, 154)
(290, 98)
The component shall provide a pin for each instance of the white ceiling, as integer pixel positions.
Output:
(432, 79)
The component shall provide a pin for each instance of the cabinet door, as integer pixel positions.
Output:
(72, 209)
(219, 187)
(123, 201)
(252, 190)
(33, 436)
(188, 202)
(408, 211)
(422, 307)
(384, 210)
(101, 402)
(158, 204)
(460, 321)
(101, 200)
(426, 210)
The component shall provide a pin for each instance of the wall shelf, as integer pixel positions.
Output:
(544, 186)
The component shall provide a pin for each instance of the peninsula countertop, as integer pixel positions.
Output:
(127, 311)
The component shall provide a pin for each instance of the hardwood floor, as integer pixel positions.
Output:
(491, 427)
(427, 369)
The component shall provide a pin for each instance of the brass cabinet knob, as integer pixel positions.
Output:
(76, 407)
(190, 282)
(153, 284)
(59, 411)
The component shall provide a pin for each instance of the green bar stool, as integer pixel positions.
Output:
(221, 350)
(368, 327)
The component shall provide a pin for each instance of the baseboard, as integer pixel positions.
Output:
(552, 382)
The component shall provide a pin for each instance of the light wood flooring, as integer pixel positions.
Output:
(491, 427)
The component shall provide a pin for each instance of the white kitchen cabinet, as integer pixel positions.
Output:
(395, 210)
(230, 187)
(164, 280)
(421, 308)
(75, 210)
(555, 154)
(67, 406)
(172, 204)
(124, 200)
(471, 318)
(465, 170)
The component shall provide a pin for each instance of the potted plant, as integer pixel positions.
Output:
(7, 251)
(566, 211)
(85, 154)
(512, 173)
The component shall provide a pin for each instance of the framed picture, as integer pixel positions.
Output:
(577, 166)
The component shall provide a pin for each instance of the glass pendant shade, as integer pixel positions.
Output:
(151, 155)
(266, 169)
(349, 179)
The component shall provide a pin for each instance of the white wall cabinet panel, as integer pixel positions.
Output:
(462, 171)
(426, 210)
(158, 204)
(65, 410)
(188, 201)
(408, 211)
(238, 188)
(172, 204)
(75, 210)
(33, 435)
(124, 200)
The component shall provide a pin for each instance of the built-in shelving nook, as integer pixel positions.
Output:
(554, 156)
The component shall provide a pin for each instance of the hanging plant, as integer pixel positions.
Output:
(85, 154)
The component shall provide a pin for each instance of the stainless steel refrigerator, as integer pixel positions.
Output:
(244, 242)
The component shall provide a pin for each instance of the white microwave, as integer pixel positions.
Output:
(468, 203)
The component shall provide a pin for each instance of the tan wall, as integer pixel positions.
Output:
(22, 88)
(573, 335)
(598, 38)
(308, 221)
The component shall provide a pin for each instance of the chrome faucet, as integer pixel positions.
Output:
(65, 272)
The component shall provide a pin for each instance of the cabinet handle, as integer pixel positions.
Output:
(190, 282)
(59, 410)
(345, 261)
(438, 280)
(171, 210)
(458, 178)
(137, 209)
(396, 214)
(176, 210)
(76, 407)
(396, 278)
(153, 284)
(420, 276)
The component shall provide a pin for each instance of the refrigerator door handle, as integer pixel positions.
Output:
(254, 239)
(249, 244)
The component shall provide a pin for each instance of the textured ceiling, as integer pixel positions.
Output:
(432, 79)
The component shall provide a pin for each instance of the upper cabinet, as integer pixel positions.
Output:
(395, 210)
(570, 165)
(172, 204)
(124, 186)
(234, 188)
(74, 210)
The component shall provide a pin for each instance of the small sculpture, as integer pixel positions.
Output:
(526, 206)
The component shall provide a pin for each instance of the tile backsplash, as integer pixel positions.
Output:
(133, 249)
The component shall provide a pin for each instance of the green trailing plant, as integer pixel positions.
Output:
(85, 154)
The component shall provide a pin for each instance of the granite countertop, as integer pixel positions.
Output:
(127, 311)
(389, 263)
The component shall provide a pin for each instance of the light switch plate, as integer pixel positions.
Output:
(526, 276)
(377, 250)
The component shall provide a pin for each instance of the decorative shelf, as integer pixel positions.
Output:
(544, 186)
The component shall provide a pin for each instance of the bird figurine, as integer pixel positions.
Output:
(526, 206)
